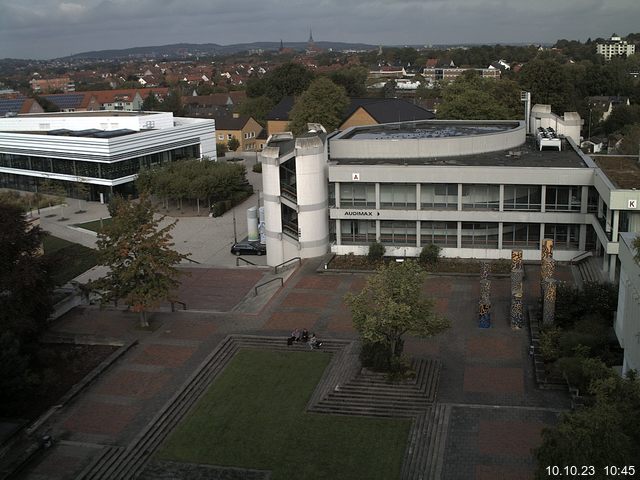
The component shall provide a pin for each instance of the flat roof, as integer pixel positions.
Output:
(623, 171)
(96, 113)
(525, 155)
(432, 129)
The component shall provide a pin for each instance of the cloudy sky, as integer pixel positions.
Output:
(51, 28)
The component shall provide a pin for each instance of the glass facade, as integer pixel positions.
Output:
(563, 199)
(521, 235)
(565, 237)
(104, 170)
(479, 235)
(360, 195)
(443, 196)
(443, 234)
(398, 232)
(398, 196)
(480, 197)
(357, 232)
(523, 197)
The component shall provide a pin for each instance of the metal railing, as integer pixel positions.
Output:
(580, 257)
(244, 260)
(275, 269)
(255, 289)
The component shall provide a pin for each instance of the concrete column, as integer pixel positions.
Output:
(500, 227)
(584, 199)
(459, 203)
(605, 260)
(501, 201)
(418, 239)
(615, 225)
(607, 223)
(612, 267)
(377, 230)
(582, 239)
(541, 236)
(543, 199)
(378, 201)
(418, 206)
(336, 191)
(459, 235)
(600, 205)
(338, 232)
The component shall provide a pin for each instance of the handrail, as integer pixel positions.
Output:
(244, 260)
(255, 289)
(193, 261)
(580, 257)
(275, 269)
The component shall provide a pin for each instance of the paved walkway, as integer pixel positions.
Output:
(497, 413)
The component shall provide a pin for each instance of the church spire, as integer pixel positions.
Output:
(310, 36)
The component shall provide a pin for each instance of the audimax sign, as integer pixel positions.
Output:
(361, 213)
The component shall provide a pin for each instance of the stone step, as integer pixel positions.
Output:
(370, 411)
(95, 469)
(341, 399)
(437, 442)
(414, 446)
(357, 391)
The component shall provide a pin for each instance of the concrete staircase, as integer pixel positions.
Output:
(425, 452)
(371, 394)
(590, 271)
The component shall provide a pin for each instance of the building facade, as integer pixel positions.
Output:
(104, 150)
(615, 47)
(477, 189)
(627, 321)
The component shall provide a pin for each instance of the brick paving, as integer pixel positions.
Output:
(497, 411)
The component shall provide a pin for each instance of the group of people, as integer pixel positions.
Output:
(303, 336)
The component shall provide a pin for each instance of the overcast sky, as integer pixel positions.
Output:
(51, 28)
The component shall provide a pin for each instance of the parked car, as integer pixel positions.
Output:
(248, 248)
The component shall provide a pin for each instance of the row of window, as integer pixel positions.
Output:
(474, 197)
(445, 234)
(111, 171)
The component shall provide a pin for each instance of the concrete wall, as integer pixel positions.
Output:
(568, 125)
(627, 322)
(429, 147)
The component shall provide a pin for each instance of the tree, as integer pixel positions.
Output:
(151, 103)
(471, 97)
(392, 304)
(286, 80)
(323, 102)
(606, 433)
(631, 141)
(548, 83)
(353, 79)
(233, 144)
(82, 191)
(257, 108)
(139, 254)
(172, 103)
(389, 89)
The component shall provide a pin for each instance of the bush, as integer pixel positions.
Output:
(221, 148)
(257, 167)
(430, 254)
(376, 252)
(581, 371)
(550, 344)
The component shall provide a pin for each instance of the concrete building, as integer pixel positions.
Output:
(627, 321)
(102, 149)
(449, 74)
(478, 189)
(615, 47)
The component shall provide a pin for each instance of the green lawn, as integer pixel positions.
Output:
(94, 225)
(253, 417)
(69, 259)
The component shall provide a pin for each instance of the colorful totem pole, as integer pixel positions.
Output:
(517, 276)
(547, 283)
(484, 306)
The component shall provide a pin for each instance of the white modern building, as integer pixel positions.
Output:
(478, 189)
(627, 322)
(104, 149)
(615, 47)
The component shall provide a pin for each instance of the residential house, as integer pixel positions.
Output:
(604, 105)
(244, 129)
(360, 111)
(45, 85)
(214, 105)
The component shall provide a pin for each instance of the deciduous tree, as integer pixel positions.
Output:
(392, 304)
(140, 256)
(323, 102)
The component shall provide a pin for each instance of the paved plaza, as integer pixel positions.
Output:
(497, 413)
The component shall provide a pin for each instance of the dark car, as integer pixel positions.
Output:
(248, 248)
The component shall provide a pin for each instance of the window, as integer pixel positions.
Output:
(398, 196)
(362, 195)
(480, 197)
(565, 237)
(522, 235)
(229, 136)
(479, 235)
(442, 196)
(443, 234)
(522, 197)
(357, 232)
(563, 198)
(398, 232)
